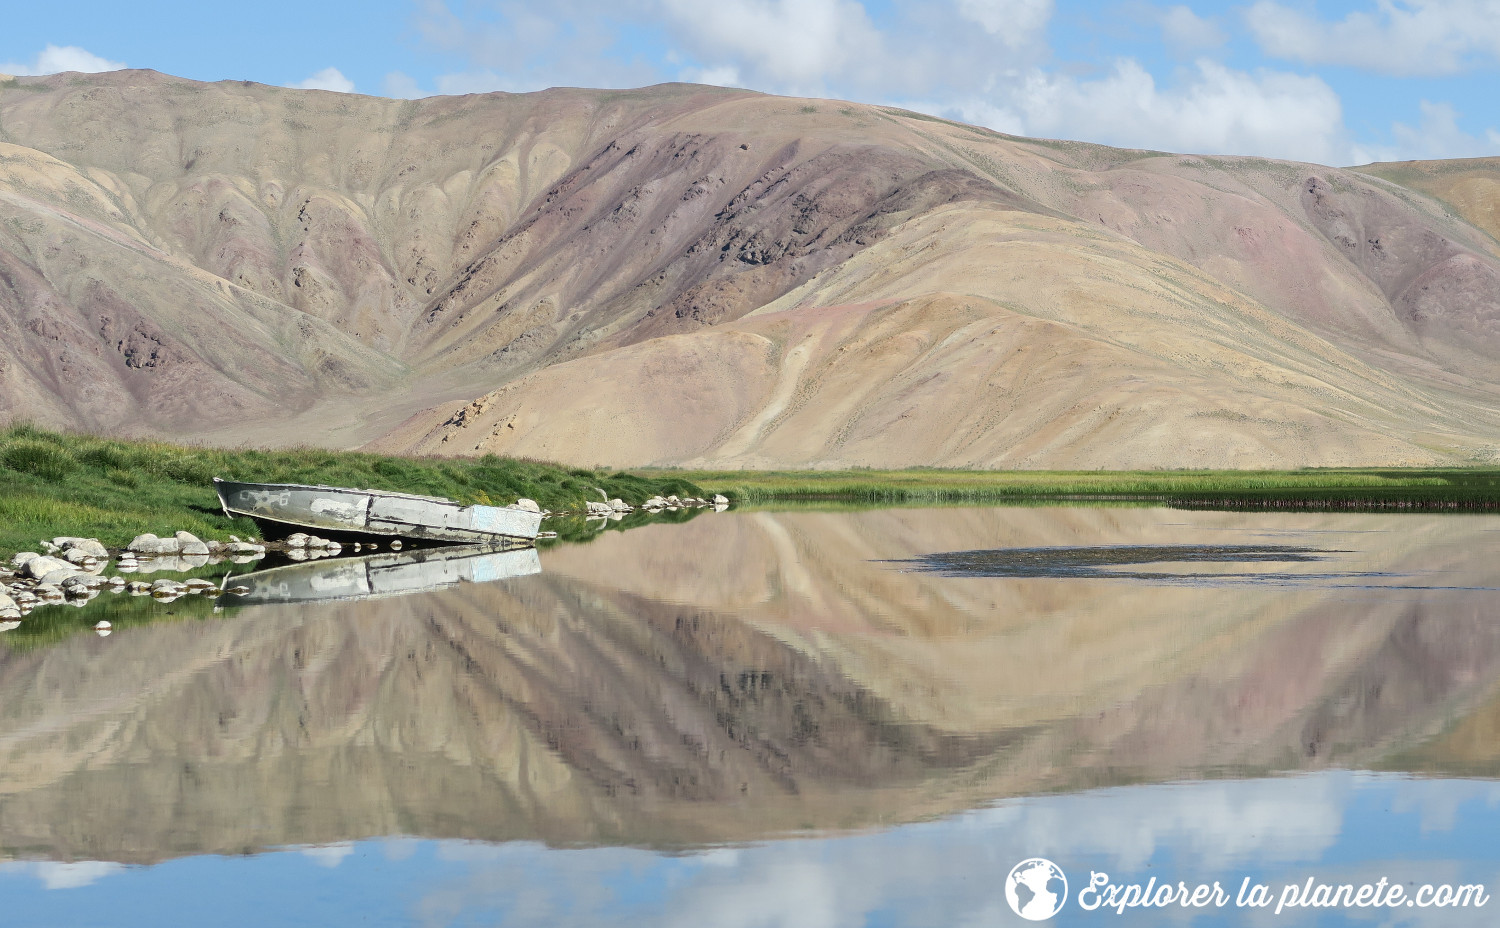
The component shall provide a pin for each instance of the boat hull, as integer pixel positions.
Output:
(283, 508)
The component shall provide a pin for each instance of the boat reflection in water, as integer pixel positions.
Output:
(375, 576)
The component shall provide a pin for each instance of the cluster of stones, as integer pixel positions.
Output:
(71, 570)
(618, 508)
(304, 547)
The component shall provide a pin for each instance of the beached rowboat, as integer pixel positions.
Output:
(283, 508)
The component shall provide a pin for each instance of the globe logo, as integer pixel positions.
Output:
(1036, 889)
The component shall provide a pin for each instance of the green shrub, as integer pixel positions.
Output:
(39, 458)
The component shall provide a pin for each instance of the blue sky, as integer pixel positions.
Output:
(1334, 82)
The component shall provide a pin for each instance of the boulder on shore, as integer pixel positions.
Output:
(88, 546)
(530, 505)
(38, 567)
(150, 544)
(188, 543)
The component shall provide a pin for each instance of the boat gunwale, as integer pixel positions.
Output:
(390, 494)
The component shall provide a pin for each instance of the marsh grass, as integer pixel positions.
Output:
(57, 484)
(1447, 488)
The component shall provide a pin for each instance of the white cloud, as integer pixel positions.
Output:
(402, 86)
(794, 43)
(57, 58)
(327, 79)
(481, 81)
(529, 47)
(1218, 110)
(1405, 37)
(1014, 22)
(1438, 136)
(1186, 31)
(722, 76)
(55, 874)
(329, 855)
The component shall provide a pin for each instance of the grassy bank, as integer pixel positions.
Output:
(1374, 488)
(53, 484)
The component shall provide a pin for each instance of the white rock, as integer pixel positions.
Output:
(530, 505)
(296, 540)
(89, 546)
(619, 505)
(20, 558)
(396, 545)
(56, 577)
(190, 544)
(145, 544)
(39, 567)
(10, 625)
(101, 624)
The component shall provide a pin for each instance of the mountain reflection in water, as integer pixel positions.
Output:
(756, 674)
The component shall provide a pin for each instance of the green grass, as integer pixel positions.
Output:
(1449, 488)
(55, 484)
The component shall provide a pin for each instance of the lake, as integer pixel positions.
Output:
(802, 718)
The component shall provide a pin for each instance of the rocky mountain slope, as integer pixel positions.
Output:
(688, 274)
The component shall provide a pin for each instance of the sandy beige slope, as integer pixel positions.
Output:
(612, 276)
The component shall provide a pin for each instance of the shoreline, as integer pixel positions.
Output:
(1382, 489)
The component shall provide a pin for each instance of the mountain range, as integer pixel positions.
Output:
(696, 275)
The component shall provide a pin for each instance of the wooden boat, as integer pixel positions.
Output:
(283, 508)
(377, 576)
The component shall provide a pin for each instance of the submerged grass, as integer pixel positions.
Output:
(1419, 488)
(111, 489)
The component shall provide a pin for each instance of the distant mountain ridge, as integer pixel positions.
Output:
(685, 274)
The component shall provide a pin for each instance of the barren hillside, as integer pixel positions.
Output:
(687, 274)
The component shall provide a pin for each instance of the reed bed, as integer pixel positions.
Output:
(1372, 488)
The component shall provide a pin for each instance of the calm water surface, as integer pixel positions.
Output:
(798, 718)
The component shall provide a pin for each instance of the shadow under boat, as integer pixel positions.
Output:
(382, 575)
